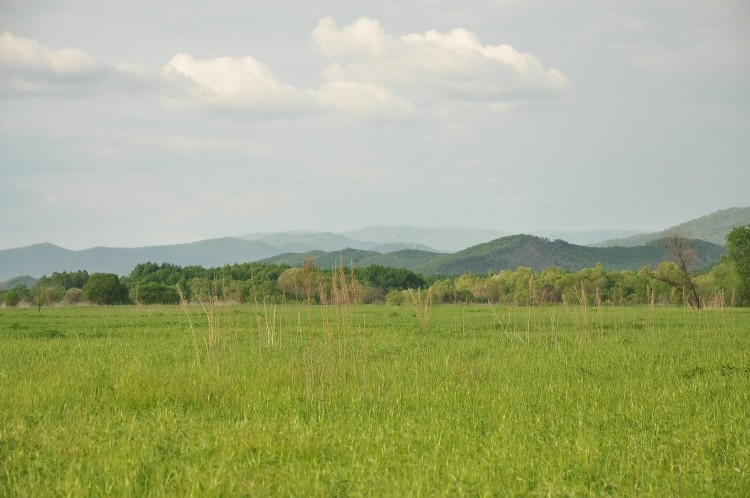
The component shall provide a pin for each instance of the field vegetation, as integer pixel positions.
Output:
(266, 379)
(322, 396)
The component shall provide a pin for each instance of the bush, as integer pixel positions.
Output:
(105, 288)
(12, 298)
(73, 296)
(156, 293)
(395, 298)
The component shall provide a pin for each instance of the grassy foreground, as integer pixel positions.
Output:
(377, 401)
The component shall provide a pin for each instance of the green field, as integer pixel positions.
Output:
(291, 400)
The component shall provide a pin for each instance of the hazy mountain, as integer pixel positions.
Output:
(711, 228)
(323, 241)
(389, 238)
(440, 239)
(305, 241)
(43, 259)
(586, 237)
(400, 246)
(407, 258)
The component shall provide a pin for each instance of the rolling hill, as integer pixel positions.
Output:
(711, 228)
(508, 253)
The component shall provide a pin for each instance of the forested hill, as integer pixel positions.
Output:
(712, 228)
(508, 253)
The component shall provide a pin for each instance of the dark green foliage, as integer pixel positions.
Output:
(105, 288)
(738, 252)
(388, 279)
(70, 280)
(156, 293)
(12, 297)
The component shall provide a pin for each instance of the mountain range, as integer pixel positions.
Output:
(507, 253)
(427, 250)
(388, 238)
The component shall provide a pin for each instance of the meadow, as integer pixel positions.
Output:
(321, 400)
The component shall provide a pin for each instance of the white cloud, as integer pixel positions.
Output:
(30, 67)
(372, 74)
(234, 82)
(247, 86)
(456, 63)
(359, 99)
(23, 53)
(364, 36)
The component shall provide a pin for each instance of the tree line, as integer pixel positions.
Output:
(726, 283)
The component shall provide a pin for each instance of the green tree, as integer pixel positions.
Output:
(156, 293)
(738, 252)
(105, 288)
(12, 297)
(46, 292)
(70, 280)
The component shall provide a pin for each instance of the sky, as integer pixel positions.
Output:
(131, 123)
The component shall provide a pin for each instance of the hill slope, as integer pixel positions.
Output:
(407, 258)
(711, 228)
(508, 253)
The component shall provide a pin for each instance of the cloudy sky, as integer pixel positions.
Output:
(127, 123)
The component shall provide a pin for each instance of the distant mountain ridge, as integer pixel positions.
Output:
(509, 253)
(399, 246)
(712, 228)
(44, 259)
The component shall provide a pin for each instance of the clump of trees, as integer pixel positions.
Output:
(105, 288)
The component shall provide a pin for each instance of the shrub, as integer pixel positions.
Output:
(73, 296)
(105, 288)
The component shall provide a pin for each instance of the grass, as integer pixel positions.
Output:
(298, 400)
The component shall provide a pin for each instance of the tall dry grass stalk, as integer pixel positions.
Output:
(184, 306)
(422, 302)
(330, 365)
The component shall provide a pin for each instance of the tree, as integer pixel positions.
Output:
(680, 248)
(12, 298)
(738, 252)
(46, 292)
(70, 280)
(105, 288)
(156, 293)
